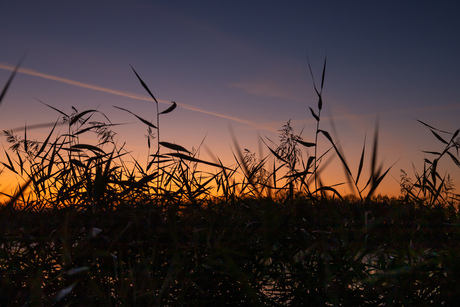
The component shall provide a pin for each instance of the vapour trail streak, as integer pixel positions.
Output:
(34, 73)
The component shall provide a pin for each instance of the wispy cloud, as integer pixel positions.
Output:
(34, 73)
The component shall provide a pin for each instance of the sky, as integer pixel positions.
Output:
(242, 66)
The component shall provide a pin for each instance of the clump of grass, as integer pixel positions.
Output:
(429, 187)
(88, 228)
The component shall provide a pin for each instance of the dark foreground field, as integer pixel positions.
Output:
(244, 253)
(90, 226)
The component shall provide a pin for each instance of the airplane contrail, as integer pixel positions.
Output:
(31, 72)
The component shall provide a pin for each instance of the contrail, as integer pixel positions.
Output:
(34, 73)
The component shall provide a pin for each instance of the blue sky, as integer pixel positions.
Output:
(241, 64)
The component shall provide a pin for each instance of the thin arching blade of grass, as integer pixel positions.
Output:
(147, 178)
(144, 85)
(313, 114)
(310, 161)
(42, 148)
(322, 77)
(431, 127)
(138, 117)
(374, 173)
(329, 189)
(438, 192)
(306, 144)
(376, 183)
(432, 152)
(80, 115)
(10, 79)
(320, 97)
(76, 162)
(94, 149)
(51, 161)
(454, 158)
(156, 159)
(274, 152)
(57, 110)
(19, 193)
(21, 163)
(95, 127)
(298, 174)
(170, 109)
(193, 159)
(201, 189)
(327, 135)
(107, 169)
(11, 165)
(361, 161)
(433, 171)
(455, 135)
(313, 78)
(438, 137)
(174, 147)
(26, 142)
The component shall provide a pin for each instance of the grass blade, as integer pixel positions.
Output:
(174, 147)
(144, 85)
(454, 159)
(361, 161)
(439, 137)
(80, 115)
(314, 115)
(89, 147)
(46, 141)
(10, 79)
(193, 159)
(328, 136)
(306, 144)
(138, 117)
(170, 109)
(57, 110)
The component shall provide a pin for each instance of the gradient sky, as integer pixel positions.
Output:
(242, 64)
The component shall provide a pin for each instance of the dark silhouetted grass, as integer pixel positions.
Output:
(87, 228)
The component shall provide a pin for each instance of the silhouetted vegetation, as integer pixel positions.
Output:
(88, 228)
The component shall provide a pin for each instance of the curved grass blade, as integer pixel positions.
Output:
(431, 127)
(328, 136)
(26, 142)
(330, 189)
(376, 183)
(314, 115)
(46, 141)
(10, 79)
(170, 109)
(455, 135)
(438, 137)
(57, 110)
(89, 147)
(361, 161)
(77, 162)
(11, 166)
(80, 115)
(19, 193)
(454, 159)
(144, 85)
(193, 159)
(306, 144)
(138, 117)
(312, 77)
(174, 147)
(324, 73)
